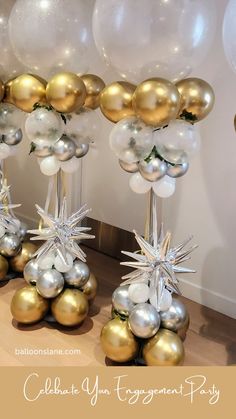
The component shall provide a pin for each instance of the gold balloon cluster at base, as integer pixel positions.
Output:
(165, 348)
(16, 263)
(69, 308)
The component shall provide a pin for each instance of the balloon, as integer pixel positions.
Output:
(131, 140)
(26, 90)
(139, 293)
(27, 306)
(165, 187)
(49, 166)
(70, 166)
(82, 126)
(94, 85)
(1, 90)
(164, 349)
(197, 97)
(116, 100)
(153, 169)
(178, 142)
(142, 39)
(5, 151)
(51, 35)
(138, 184)
(66, 92)
(156, 101)
(44, 125)
(10, 119)
(229, 34)
(7, 91)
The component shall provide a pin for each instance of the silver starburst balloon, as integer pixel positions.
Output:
(6, 219)
(62, 233)
(158, 263)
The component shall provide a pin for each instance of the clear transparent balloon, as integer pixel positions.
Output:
(229, 33)
(51, 35)
(82, 126)
(178, 142)
(131, 140)
(11, 119)
(43, 124)
(168, 38)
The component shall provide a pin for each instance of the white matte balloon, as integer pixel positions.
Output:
(138, 184)
(49, 166)
(165, 187)
(142, 39)
(139, 293)
(131, 140)
(166, 300)
(52, 35)
(70, 166)
(82, 126)
(46, 262)
(43, 124)
(178, 142)
(61, 266)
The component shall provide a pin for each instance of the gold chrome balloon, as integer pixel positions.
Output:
(116, 100)
(156, 101)
(1, 90)
(118, 342)
(26, 90)
(7, 93)
(90, 288)
(27, 306)
(164, 349)
(94, 85)
(18, 262)
(197, 97)
(66, 92)
(70, 307)
(3, 267)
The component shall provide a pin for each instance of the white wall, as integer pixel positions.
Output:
(205, 201)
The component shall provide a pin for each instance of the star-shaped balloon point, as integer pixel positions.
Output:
(157, 264)
(6, 218)
(62, 233)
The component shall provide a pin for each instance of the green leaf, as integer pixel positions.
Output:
(32, 148)
(63, 118)
(188, 116)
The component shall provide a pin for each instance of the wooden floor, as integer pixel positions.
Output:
(211, 339)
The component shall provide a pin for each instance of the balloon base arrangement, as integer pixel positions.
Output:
(148, 323)
(60, 286)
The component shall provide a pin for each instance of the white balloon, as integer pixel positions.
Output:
(70, 166)
(166, 300)
(164, 187)
(138, 184)
(131, 140)
(142, 39)
(82, 126)
(44, 124)
(61, 266)
(229, 33)
(139, 293)
(52, 35)
(49, 166)
(2, 231)
(178, 142)
(5, 151)
(47, 261)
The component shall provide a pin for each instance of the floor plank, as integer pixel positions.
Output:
(211, 338)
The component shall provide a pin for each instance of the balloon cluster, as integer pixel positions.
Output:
(155, 134)
(62, 120)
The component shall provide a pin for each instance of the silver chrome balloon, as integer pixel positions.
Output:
(177, 170)
(32, 272)
(10, 245)
(121, 301)
(78, 275)
(64, 148)
(152, 170)
(50, 283)
(128, 167)
(41, 148)
(81, 150)
(22, 230)
(176, 317)
(144, 320)
(13, 139)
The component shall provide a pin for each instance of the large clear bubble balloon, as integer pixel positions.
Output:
(131, 140)
(229, 33)
(11, 119)
(9, 64)
(44, 124)
(82, 126)
(178, 142)
(166, 38)
(51, 35)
